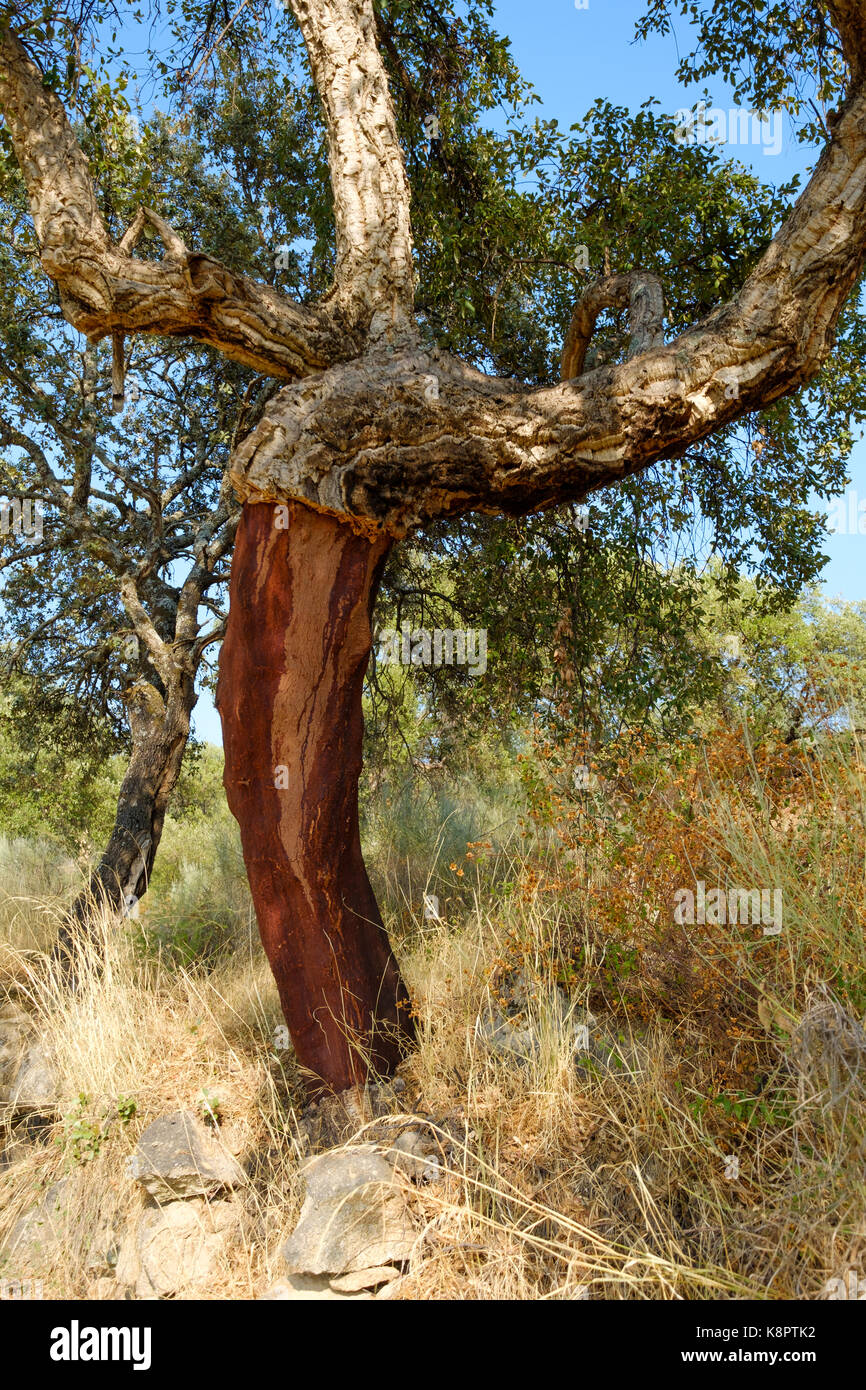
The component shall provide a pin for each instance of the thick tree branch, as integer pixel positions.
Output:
(393, 438)
(374, 279)
(640, 292)
(849, 18)
(104, 289)
(390, 442)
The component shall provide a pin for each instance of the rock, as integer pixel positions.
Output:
(35, 1086)
(28, 1081)
(417, 1155)
(364, 1279)
(306, 1287)
(14, 1027)
(178, 1247)
(390, 1290)
(41, 1231)
(178, 1157)
(104, 1290)
(103, 1251)
(354, 1216)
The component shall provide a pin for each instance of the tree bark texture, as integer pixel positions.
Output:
(400, 437)
(160, 731)
(296, 649)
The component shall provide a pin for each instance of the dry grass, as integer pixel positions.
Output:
(167, 1039)
(609, 1174)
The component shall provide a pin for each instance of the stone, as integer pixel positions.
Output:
(177, 1248)
(364, 1279)
(35, 1087)
(392, 1289)
(28, 1081)
(177, 1156)
(14, 1027)
(41, 1230)
(306, 1287)
(417, 1155)
(102, 1252)
(354, 1216)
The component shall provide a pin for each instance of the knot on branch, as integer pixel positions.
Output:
(638, 291)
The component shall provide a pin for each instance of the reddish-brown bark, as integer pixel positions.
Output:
(291, 674)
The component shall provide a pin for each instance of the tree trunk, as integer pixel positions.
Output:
(291, 674)
(160, 734)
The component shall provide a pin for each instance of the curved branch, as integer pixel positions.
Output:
(103, 289)
(639, 291)
(391, 442)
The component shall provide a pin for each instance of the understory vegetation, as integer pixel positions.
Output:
(644, 1107)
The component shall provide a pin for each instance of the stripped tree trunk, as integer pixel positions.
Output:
(291, 673)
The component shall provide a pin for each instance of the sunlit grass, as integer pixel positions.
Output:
(685, 1121)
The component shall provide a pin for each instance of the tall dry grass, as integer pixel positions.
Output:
(681, 1114)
